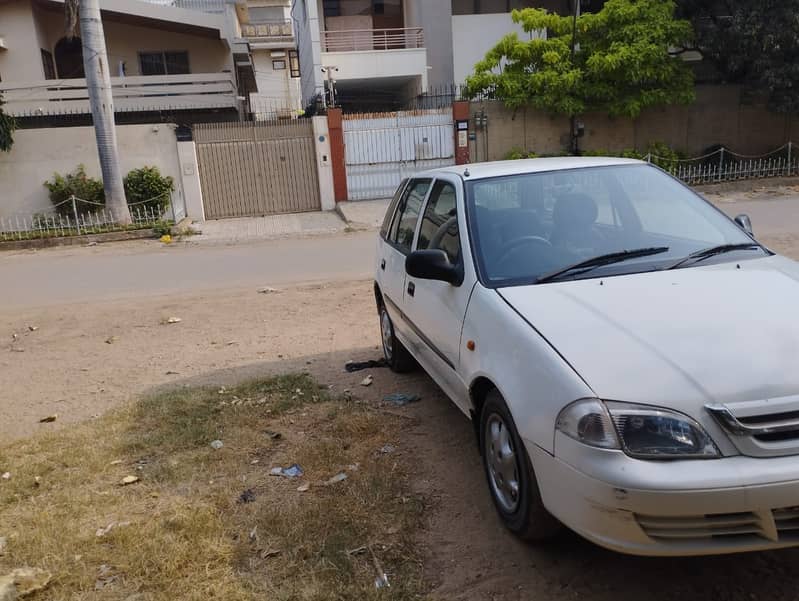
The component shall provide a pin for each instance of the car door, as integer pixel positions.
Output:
(396, 246)
(435, 310)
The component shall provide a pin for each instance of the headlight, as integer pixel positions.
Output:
(642, 432)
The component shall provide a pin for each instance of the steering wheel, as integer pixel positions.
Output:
(518, 243)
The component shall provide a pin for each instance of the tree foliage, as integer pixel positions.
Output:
(7, 127)
(622, 64)
(751, 42)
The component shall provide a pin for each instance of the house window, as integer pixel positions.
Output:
(48, 63)
(266, 14)
(279, 65)
(164, 63)
(294, 63)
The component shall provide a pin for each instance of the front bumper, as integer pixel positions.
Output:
(697, 507)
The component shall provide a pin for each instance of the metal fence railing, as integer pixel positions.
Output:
(724, 165)
(76, 217)
(207, 6)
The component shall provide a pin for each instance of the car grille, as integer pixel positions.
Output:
(761, 429)
(777, 525)
(728, 524)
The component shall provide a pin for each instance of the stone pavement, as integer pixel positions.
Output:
(363, 214)
(268, 228)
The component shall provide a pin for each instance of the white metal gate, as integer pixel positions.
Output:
(383, 148)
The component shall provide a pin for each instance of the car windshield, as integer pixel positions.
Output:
(530, 226)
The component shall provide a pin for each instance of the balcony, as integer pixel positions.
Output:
(396, 58)
(131, 94)
(269, 34)
(361, 40)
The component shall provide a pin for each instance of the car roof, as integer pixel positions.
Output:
(501, 168)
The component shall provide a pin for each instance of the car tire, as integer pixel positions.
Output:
(396, 355)
(510, 475)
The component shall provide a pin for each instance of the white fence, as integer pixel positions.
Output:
(724, 165)
(76, 217)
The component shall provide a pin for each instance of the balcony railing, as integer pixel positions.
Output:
(267, 31)
(131, 94)
(357, 40)
(206, 6)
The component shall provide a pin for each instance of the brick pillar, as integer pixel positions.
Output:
(336, 129)
(460, 114)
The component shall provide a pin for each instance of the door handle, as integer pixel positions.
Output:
(411, 288)
(383, 264)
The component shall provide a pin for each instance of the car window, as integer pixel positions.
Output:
(392, 207)
(439, 229)
(528, 225)
(404, 226)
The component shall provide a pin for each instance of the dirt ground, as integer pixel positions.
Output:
(79, 360)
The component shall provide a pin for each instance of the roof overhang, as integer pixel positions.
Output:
(155, 16)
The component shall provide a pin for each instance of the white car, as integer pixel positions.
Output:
(628, 354)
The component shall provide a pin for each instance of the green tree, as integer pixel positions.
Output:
(619, 62)
(751, 42)
(7, 127)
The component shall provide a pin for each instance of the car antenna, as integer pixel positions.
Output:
(466, 173)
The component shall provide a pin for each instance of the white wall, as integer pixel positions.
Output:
(277, 90)
(38, 153)
(382, 64)
(22, 61)
(474, 35)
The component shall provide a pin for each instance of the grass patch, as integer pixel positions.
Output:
(182, 532)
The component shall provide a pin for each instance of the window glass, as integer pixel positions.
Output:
(404, 226)
(177, 63)
(439, 229)
(49, 64)
(531, 224)
(391, 208)
(266, 14)
(152, 63)
(164, 63)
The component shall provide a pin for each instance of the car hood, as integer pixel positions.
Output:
(723, 333)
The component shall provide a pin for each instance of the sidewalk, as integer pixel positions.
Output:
(363, 214)
(271, 227)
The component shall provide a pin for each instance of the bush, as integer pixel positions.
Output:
(78, 184)
(147, 188)
(517, 153)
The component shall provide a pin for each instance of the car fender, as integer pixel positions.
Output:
(535, 381)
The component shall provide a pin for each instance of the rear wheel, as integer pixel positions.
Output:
(510, 475)
(396, 355)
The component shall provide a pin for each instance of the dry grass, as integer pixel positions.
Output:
(184, 534)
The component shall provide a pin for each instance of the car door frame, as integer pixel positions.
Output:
(386, 256)
(444, 367)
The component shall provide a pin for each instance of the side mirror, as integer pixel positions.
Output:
(433, 265)
(744, 223)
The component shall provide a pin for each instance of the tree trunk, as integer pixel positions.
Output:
(98, 81)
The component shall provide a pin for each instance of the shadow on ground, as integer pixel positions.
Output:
(470, 556)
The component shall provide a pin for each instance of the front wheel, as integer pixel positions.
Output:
(511, 479)
(396, 355)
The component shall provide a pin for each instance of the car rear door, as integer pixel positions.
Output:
(396, 246)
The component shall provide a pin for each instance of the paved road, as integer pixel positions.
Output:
(147, 269)
(110, 271)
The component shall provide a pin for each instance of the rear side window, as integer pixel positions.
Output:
(404, 226)
(392, 207)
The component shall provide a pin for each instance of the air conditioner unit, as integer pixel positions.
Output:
(3, 45)
(278, 54)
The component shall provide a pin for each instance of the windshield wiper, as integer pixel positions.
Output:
(601, 261)
(706, 253)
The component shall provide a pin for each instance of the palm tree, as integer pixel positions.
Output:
(98, 82)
